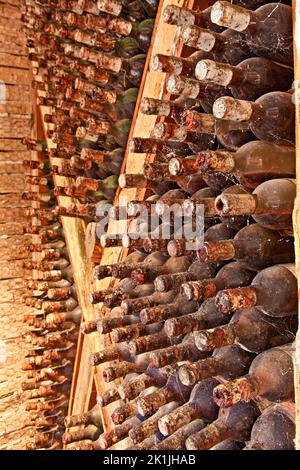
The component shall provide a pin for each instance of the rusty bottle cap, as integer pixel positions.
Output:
(149, 427)
(230, 300)
(207, 340)
(229, 393)
(106, 355)
(219, 250)
(199, 290)
(107, 397)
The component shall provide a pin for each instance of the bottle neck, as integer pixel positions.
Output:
(231, 300)
(236, 204)
(207, 340)
(199, 290)
(214, 433)
(242, 389)
(218, 73)
(183, 415)
(231, 16)
(154, 401)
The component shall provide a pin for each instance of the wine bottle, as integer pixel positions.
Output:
(205, 317)
(186, 350)
(274, 429)
(152, 377)
(174, 280)
(199, 406)
(276, 385)
(233, 423)
(171, 109)
(271, 117)
(267, 248)
(271, 204)
(228, 46)
(147, 428)
(232, 274)
(206, 93)
(177, 440)
(173, 391)
(248, 80)
(228, 362)
(230, 134)
(253, 163)
(250, 330)
(179, 16)
(269, 24)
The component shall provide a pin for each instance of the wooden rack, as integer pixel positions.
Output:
(296, 25)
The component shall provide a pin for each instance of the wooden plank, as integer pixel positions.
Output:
(11, 183)
(11, 269)
(13, 228)
(12, 214)
(296, 22)
(10, 60)
(19, 251)
(14, 156)
(15, 93)
(14, 127)
(7, 167)
(13, 75)
(13, 200)
(8, 145)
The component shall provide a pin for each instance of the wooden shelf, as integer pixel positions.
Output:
(296, 25)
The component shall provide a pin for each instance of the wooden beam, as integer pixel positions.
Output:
(296, 24)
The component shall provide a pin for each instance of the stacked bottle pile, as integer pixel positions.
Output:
(88, 59)
(53, 326)
(202, 332)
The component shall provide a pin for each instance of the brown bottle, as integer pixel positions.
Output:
(230, 134)
(102, 271)
(136, 330)
(250, 79)
(228, 362)
(91, 432)
(170, 266)
(179, 16)
(151, 342)
(93, 416)
(197, 141)
(254, 246)
(139, 291)
(173, 391)
(206, 316)
(271, 376)
(107, 397)
(137, 304)
(271, 117)
(274, 429)
(152, 377)
(163, 312)
(196, 270)
(273, 289)
(139, 181)
(118, 433)
(176, 65)
(170, 109)
(59, 306)
(200, 405)
(181, 247)
(271, 204)
(270, 24)
(253, 163)
(177, 440)
(228, 46)
(125, 285)
(230, 276)
(206, 93)
(147, 428)
(186, 350)
(233, 423)
(160, 148)
(251, 329)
